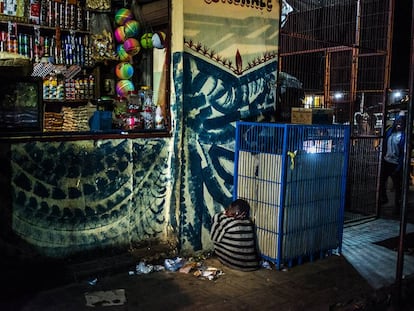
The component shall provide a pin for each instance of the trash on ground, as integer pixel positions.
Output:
(266, 265)
(187, 267)
(209, 273)
(105, 298)
(143, 268)
(174, 264)
(179, 264)
(93, 282)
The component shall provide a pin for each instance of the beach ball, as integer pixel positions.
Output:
(124, 70)
(146, 40)
(131, 46)
(123, 15)
(131, 28)
(119, 34)
(122, 54)
(123, 87)
(158, 40)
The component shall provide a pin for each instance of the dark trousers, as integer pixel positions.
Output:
(389, 170)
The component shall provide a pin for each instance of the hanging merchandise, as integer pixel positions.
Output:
(124, 70)
(102, 38)
(146, 40)
(119, 34)
(158, 39)
(128, 46)
(131, 29)
(132, 46)
(123, 15)
(123, 87)
(98, 5)
(122, 54)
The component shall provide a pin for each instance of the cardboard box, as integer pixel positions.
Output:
(301, 115)
(311, 116)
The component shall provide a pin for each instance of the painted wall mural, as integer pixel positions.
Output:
(69, 197)
(75, 196)
(229, 69)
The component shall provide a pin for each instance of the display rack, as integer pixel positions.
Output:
(294, 177)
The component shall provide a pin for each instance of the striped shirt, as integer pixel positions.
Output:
(235, 242)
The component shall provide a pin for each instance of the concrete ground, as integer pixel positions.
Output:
(320, 285)
(358, 279)
(362, 277)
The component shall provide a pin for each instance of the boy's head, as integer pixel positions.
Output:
(400, 123)
(238, 209)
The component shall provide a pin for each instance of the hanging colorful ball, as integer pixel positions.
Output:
(158, 40)
(119, 34)
(146, 40)
(122, 16)
(124, 70)
(123, 87)
(122, 54)
(131, 28)
(131, 46)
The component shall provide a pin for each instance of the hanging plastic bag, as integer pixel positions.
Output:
(103, 47)
(98, 5)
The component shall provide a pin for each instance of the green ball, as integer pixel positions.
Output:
(146, 40)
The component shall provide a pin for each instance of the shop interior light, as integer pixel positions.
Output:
(397, 94)
(338, 95)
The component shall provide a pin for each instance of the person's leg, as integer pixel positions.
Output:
(385, 173)
(397, 181)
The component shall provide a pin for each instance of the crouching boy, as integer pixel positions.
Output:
(234, 237)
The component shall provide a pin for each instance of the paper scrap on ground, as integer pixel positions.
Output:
(105, 298)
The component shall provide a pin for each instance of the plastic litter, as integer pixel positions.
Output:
(143, 268)
(93, 282)
(209, 273)
(266, 265)
(174, 264)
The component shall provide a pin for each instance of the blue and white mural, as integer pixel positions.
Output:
(70, 197)
(229, 73)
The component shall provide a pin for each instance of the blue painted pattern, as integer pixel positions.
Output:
(75, 196)
(213, 99)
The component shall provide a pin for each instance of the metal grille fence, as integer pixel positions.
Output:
(294, 177)
(340, 51)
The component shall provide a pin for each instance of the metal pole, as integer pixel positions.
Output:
(407, 163)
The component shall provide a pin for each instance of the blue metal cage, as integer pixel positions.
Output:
(294, 177)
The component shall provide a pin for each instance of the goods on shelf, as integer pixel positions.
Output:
(75, 119)
(53, 121)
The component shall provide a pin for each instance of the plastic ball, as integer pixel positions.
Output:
(131, 46)
(123, 15)
(146, 40)
(123, 87)
(119, 34)
(124, 70)
(122, 54)
(131, 28)
(158, 40)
